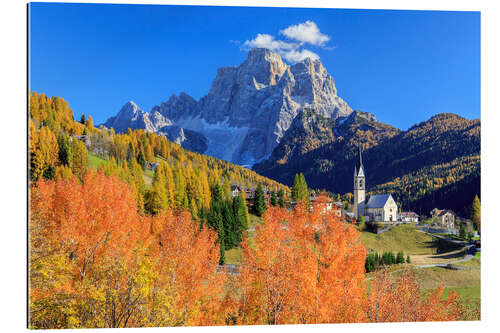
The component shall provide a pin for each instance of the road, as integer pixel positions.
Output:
(470, 251)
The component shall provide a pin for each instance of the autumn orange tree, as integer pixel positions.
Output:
(83, 238)
(306, 267)
(186, 289)
(95, 262)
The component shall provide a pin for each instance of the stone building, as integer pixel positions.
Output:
(444, 218)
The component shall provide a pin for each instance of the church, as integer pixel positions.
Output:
(379, 207)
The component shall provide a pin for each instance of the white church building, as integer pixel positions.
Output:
(380, 207)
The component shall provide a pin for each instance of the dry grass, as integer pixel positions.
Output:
(432, 277)
(433, 259)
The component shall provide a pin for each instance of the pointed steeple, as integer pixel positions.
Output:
(359, 163)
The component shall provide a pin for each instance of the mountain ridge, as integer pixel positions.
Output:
(250, 106)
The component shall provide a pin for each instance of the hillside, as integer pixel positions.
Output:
(440, 152)
(61, 147)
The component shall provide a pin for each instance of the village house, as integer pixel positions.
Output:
(250, 195)
(336, 207)
(408, 217)
(84, 138)
(444, 218)
(235, 191)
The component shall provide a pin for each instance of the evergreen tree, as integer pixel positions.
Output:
(215, 219)
(476, 213)
(49, 173)
(392, 260)
(281, 198)
(82, 119)
(400, 258)
(370, 262)
(141, 160)
(241, 218)
(408, 259)
(259, 205)
(217, 193)
(274, 199)
(65, 155)
(230, 226)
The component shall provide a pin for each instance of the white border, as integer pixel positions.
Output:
(13, 162)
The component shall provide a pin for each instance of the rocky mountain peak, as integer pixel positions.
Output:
(129, 109)
(130, 116)
(250, 107)
(262, 68)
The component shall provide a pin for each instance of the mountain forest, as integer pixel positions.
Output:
(435, 163)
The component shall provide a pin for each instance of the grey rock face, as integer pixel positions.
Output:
(187, 139)
(250, 107)
(130, 116)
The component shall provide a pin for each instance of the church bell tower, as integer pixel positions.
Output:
(359, 186)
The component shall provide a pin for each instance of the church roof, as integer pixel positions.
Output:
(378, 200)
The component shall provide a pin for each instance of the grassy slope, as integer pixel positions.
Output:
(401, 238)
(467, 283)
(95, 161)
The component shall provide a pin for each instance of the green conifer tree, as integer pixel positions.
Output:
(241, 218)
(274, 199)
(65, 155)
(281, 198)
(259, 205)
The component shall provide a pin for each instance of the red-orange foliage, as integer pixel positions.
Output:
(93, 229)
(95, 262)
(185, 260)
(306, 267)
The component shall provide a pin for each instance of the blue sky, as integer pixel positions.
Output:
(402, 66)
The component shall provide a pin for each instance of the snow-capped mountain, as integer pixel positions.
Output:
(247, 111)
